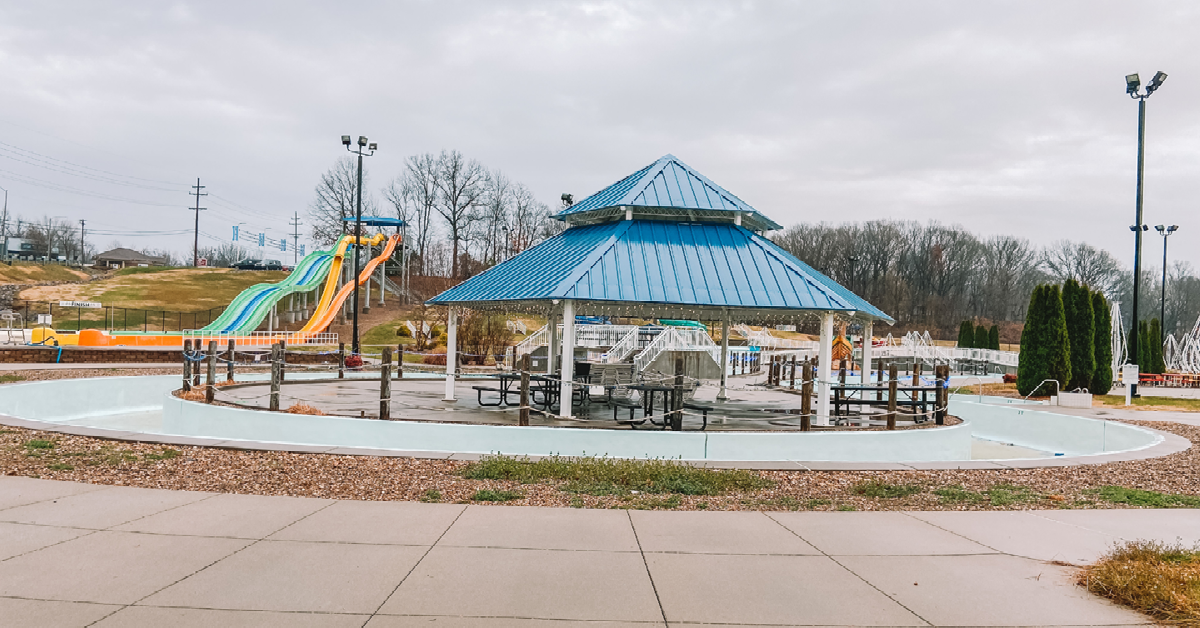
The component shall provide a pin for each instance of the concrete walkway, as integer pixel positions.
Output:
(80, 555)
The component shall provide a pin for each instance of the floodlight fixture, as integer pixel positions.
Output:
(1132, 83)
(362, 140)
(1156, 82)
(568, 199)
(373, 146)
(345, 140)
(1160, 228)
(1172, 228)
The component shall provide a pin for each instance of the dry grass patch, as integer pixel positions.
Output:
(304, 408)
(1160, 580)
(28, 272)
(195, 394)
(1174, 404)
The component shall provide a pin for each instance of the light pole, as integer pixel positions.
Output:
(1164, 231)
(4, 224)
(1132, 83)
(360, 151)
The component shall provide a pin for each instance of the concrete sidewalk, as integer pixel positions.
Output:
(79, 555)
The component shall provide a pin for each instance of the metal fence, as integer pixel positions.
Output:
(112, 318)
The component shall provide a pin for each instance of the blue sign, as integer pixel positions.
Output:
(301, 250)
(283, 244)
(262, 239)
(235, 233)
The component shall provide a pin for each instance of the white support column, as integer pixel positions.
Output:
(568, 358)
(868, 330)
(451, 352)
(824, 369)
(552, 341)
(382, 283)
(724, 356)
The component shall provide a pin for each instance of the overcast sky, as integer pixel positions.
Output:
(1004, 117)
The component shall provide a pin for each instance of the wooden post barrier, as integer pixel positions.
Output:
(677, 397)
(916, 373)
(792, 384)
(341, 360)
(385, 384)
(276, 379)
(893, 384)
(399, 361)
(229, 363)
(187, 366)
(211, 390)
(526, 365)
(806, 388)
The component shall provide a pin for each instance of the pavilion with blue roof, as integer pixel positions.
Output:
(663, 242)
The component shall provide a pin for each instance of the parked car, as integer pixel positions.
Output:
(259, 264)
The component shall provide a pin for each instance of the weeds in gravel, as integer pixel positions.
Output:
(165, 454)
(38, 447)
(785, 502)
(650, 503)
(59, 466)
(878, 489)
(956, 494)
(996, 495)
(1143, 498)
(1160, 580)
(611, 476)
(846, 508)
(431, 496)
(9, 378)
(488, 495)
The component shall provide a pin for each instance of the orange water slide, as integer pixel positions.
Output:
(330, 303)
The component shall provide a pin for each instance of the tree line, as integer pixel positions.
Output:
(1067, 340)
(461, 216)
(932, 276)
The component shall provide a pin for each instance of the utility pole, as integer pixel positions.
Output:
(4, 225)
(198, 208)
(295, 238)
(82, 246)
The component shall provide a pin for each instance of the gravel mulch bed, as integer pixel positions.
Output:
(84, 459)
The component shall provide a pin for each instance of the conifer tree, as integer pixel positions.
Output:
(1077, 306)
(1058, 342)
(1102, 377)
(994, 338)
(981, 337)
(966, 335)
(1031, 364)
(1143, 357)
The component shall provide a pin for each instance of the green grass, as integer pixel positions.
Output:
(877, 489)
(846, 508)
(431, 496)
(1143, 498)
(385, 334)
(144, 270)
(489, 495)
(38, 446)
(10, 377)
(669, 502)
(165, 454)
(1186, 405)
(612, 476)
(59, 466)
(997, 495)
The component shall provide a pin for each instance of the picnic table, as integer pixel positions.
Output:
(842, 400)
(510, 384)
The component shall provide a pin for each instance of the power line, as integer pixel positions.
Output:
(79, 173)
(26, 150)
(21, 178)
(295, 222)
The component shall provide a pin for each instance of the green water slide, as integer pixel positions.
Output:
(247, 311)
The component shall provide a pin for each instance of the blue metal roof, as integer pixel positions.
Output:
(667, 184)
(377, 221)
(703, 265)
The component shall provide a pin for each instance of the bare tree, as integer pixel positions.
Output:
(1083, 262)
(416, 191)
(335, 200)
(460, 183)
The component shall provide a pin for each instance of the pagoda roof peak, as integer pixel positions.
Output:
(667, 189)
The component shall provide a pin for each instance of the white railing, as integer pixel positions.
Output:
(516, 327)
(920, 347)
(625, 346)
(765, 339)
(539, 338)
(591, 336)
(260, 338)
(676, 339)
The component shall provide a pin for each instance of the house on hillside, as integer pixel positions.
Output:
(125, 258)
